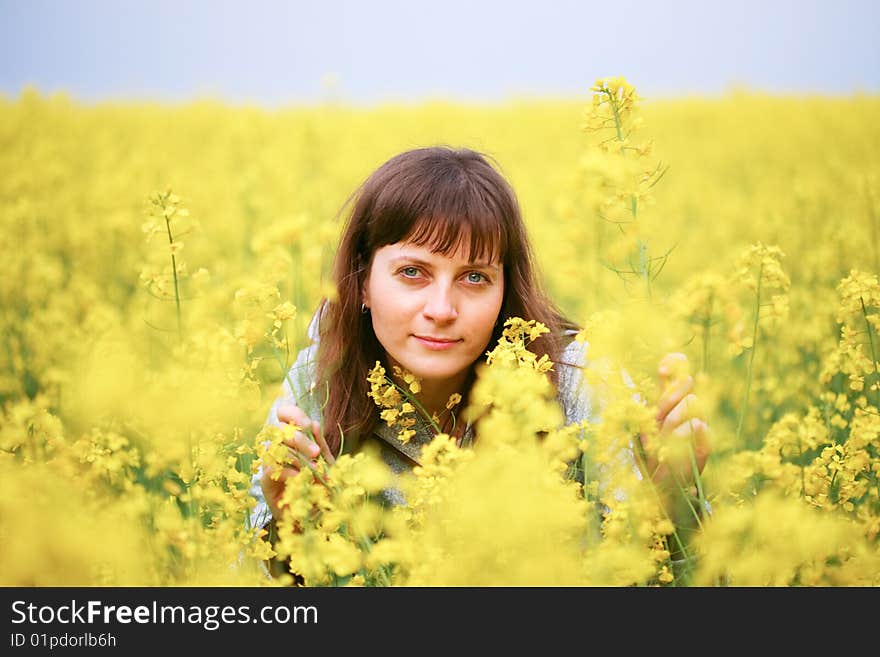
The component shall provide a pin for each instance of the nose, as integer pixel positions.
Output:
(440, 305)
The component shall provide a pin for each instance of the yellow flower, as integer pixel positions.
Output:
(414, 383)
(390, 415)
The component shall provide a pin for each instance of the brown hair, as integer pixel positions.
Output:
(433, 197)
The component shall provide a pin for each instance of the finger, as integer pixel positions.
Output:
(692, 436)
(676, 465)
(293, 414)
(277, 493)
(702, 445)
(697, 433)
(304, 445)
(653, 466)
(270, 480)
(690, 428)
(325, 448)
(649, 450)
(672, 364)
(675, 392)
(680, 413)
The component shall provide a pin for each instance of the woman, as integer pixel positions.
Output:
(433, 259)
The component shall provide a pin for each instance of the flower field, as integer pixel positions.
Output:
(160, 265)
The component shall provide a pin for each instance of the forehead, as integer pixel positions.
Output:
(481, 236)
(411, 250)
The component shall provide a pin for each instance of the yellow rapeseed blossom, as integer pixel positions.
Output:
(143, 345)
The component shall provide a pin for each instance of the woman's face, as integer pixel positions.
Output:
(433, 314)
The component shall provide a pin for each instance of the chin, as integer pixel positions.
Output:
(433, 368)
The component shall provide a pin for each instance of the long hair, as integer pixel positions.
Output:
(432, 197)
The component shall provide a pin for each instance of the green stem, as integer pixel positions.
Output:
(873, 354)
(876, 483)
(283, 364)
(304, 462)
(307, 430)
(633, 202)
(707, 321)
(872, 217)
(698, 481)
(801, 463)
(192, 468)
(593, 531)
(644, 468)
(826, 410)
(682, 489)
(286, 370)
(174, 272)
(406, 393)
(613, 101)
(742, 415)
(643, 265)
(366, 546)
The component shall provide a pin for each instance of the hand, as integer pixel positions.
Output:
(302, 445)
(679, 430)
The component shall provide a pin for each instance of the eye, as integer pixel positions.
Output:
(476, 278)
(410, 272)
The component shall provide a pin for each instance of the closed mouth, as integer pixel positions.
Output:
(433, 339)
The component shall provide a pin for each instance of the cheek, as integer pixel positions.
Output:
(384, 297)
(391, 316)
(485, 315)
(488, 321)
(391, 308)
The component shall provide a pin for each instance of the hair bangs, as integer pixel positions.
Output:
(483, 241)
(447, 201)
(461, 218)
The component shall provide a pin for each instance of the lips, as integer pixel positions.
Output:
(431, 338)
(435, 343)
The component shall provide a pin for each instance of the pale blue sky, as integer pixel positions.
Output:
(294, 52)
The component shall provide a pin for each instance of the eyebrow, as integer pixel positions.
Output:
(420, 261)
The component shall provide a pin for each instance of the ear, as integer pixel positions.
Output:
(365, 285)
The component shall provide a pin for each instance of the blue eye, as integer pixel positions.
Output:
(410, 272)
(476, 277)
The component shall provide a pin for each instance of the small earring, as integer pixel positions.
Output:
(364, 309)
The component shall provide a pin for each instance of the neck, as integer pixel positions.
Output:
(435, 394)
